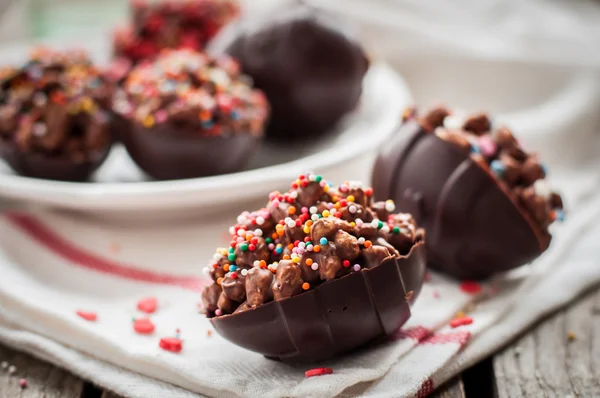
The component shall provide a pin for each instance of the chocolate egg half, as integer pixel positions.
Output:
(475, 226)
(335, 317)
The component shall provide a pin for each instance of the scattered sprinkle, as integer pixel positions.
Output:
(143, 326)
(571, 336)
(172, 344)
(470, 287)
(87, 315)
(148, 305)
(12, 369)
(23, 383)
(208, 333)
(4, 365)
(461, 321)
(318, 372)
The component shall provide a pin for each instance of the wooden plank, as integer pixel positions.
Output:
(43, 379)
(559, 358)
(452, 389)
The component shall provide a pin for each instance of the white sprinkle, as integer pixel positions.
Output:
(244, 272)
(359, 222)
(256, 263)
(12, 369)
(241, 219)
(217, 256)
(455, 121)
(291, 224)
(313, 210)
(241, 232)
(293, 194)
(4, 365)
(375, 223)
(231, 230)
(39, 129)
(542, 189)
(385, 228)
(301, 245)
(206, 270)
(40, 99)
(312, 177)
(258, 232)
(361, 241)
(314, 266)
(240, 239)
(314, 217)
(352, 209)
(356, 267)
(390, 205)
(260, 220)
(309, 248)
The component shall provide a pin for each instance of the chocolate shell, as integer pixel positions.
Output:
(37, 165)
(167, 153)
(335, 317)
(310, 70)
(475, 227)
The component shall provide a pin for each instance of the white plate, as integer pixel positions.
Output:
(121, 189)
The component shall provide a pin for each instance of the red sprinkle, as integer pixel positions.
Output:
(23, 383)
(346, 263)
(143, 326)
(147, 305)
(461, 321)
(88, 315)
(470, 287)
(318, 372)
(172, 344)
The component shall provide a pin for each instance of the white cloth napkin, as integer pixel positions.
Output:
(55, 264)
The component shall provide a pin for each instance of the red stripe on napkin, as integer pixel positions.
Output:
(77, 256)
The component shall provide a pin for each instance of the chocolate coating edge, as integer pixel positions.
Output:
(36, 165)
(333, 318)
(474, 227)
(168, 153)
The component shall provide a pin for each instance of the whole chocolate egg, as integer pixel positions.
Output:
(309, 68)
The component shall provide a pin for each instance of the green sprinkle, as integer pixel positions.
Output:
(244, 247)
(380, 225)
(396, 230)
(269, 240)
(318, 179)
(231, 257)
(231, 250)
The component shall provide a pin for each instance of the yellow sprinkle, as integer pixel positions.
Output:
(306, 230)
(337, 205)
(296, 260)
(352, 224)
(148, 121)
(87, 104)
(325, 213)
(326, 188)
(460, 314)
(571, 336)
(350, 198)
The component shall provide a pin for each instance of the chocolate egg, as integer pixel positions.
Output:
(301, 57)
(188, 115)
(55, 120)
(336, 317)
(477, 223)
(318, 272)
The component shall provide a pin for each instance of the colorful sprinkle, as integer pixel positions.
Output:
(306, 286)
(148, 305)
(143, 326)
(461, 321)
(172, 344)
(470, 287)
(497, 168)
(318, 372)
(88, 315)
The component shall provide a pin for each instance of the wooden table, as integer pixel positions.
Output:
(560, 357)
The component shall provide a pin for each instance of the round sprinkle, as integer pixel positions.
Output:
(309, 262)
(243, 247)
(361, 240)
(396, 230)
(368, 244)
(4, 365)
(346, 263)
(314, 267)
(244, 272)
(23, 383)
(352, 209)
(317, 248)
(218, 312)
(233, 268)
(326, 213)
(350, 198)
(323, 241)
(313, 210)
(356, 267)
(306, 286)
(390, 205)
(231, 257)
(258, 232)
(497, 167)
(318, 372)
(12, 369)
(219, 280)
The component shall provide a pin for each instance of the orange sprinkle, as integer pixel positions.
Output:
(368, 243)
(226, 268)
(274, 236)
(338, 205)
(306, 286)
(291, 246)
(317, 248)
(280, 232)
(552, 216)
(286, 257)
(335, 199)
(262, 264)
(309, 261)
(219, 280)
(249, 237)
(292, 210)
(309, 223)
